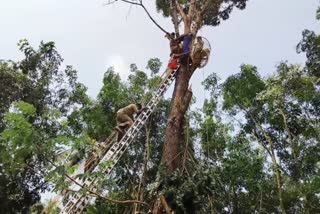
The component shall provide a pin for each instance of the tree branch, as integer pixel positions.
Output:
(109, 2)
(192, 8)
(132, 2)
(98, 195)
(145, 9)
(180, 10)
(165, 205)
(112, 200)
(205, 7)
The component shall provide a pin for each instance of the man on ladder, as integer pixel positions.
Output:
(125, 117)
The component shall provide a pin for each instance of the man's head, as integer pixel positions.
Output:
(139, 106)
(173, 35)
(199, 38)
(185, 10)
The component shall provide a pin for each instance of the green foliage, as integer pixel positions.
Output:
(239, 91)
(310, 44)
(37, 97)
(164, 7)
(11, 87)
(216, 11)
(154, 64)
(102, 207)
(51, 207)
(234, 183)
(280, 110)
(214, 136)
(113, 92)
(17, 157)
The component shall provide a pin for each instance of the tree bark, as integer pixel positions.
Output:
(179, 104)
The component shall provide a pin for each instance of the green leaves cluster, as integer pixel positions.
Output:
(36, 99)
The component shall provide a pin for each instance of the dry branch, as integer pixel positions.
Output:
(144, 8)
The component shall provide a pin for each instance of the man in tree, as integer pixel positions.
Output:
(186, 40)
(198, 53)
(125, 116)
(174, 49)
(172, 65)
(174, 43)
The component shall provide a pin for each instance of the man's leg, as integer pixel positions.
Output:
(123, 121)
(129, 121)
(126, 121)
(120, 121)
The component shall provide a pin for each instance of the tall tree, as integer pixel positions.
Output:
(37, 95)
(201, 13)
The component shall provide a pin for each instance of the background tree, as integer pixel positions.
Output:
(36, 96)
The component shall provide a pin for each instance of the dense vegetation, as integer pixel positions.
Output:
(253, 147)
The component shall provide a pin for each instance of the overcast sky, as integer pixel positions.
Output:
(92, 37)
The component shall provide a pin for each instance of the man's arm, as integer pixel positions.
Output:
(168, 36)
(182, 54)
(180, 38)
(142, 109)
(180, 10)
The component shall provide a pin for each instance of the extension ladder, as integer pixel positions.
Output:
(78, 201)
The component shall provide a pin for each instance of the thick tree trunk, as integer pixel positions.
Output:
(174, 131)
(179, 103)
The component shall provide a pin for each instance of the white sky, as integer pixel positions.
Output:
(92, 37)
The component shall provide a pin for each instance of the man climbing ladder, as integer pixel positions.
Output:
(125, 116)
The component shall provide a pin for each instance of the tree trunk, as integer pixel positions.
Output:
(275, 166)
(142, 182)
(179, 104)
(278, 178)
(291, 141)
